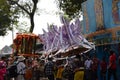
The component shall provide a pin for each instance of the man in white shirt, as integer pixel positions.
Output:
(21, 68)
(87, 64)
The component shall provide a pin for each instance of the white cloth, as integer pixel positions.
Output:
(21, 68)
(88, 64)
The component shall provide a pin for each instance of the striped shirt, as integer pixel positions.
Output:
(49, 68)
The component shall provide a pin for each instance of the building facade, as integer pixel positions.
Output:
(101, 25)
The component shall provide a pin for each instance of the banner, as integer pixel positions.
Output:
(115, 11)
(85, 14)
(98, 6)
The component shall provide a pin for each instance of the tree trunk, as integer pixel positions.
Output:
(32, 23)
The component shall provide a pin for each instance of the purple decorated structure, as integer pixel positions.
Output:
(66, 40)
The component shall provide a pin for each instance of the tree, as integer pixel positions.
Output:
(6, 17)
(70, 7)
(28, 8)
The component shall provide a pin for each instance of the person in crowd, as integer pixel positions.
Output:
(59, 72)
(21, 68)
(42, 69)
(103, 68)
(2, 69)
(4, 59)
(94, 67)
(10, 63)
(79, 69)
(28, 74)
(112, 65)
(35, 69)
(88, 71)
(68, 73)
(36, 73)
(56, 66)
(49, 69)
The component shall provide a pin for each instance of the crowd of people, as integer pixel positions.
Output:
(81, 67)
(20, 68)
(84, 67)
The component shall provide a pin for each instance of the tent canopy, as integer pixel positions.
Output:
(6, 50)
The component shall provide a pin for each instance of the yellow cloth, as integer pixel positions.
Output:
(59, 72)
(79, 75)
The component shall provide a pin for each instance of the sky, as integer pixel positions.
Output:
(47, 16)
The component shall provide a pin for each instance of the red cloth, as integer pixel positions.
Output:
(2, 73)
(103, 65)
(95, 64)
(112, 61)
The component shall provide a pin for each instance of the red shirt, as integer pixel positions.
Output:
(112, 61)
(95, 64)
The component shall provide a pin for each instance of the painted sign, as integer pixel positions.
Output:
(85, 13)
(115, 11)
(98, 6)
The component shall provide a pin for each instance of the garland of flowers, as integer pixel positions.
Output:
(17, 42)
(23, 43)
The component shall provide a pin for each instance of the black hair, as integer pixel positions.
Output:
(49, 59)
(3, 57)
(111, 52)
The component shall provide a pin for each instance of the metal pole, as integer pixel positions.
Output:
(12, 33)
(12, 38)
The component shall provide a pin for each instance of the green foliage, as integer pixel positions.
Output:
(27, 8)
(6, 17)
(23, 27)
(71, 7)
